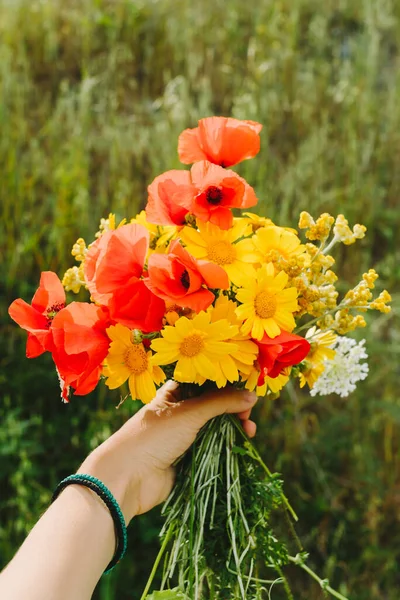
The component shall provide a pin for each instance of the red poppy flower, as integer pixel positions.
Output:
(79, 345)
(285, 350)
(36, 318)
(219, 190)
(113, 271)
(221, 140)
(170, 198)
(115, 260)
(179, 278)
(207, 191)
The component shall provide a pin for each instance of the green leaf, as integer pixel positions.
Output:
(174, 594)
(238, 450)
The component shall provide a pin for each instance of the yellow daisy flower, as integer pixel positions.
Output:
(128, 360)
(267, 307)
(276, 242)
(321, 342)
(221, 246)
(198, 348)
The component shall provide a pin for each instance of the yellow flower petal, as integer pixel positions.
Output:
(119, 333)
(145, 387)
(271, 328)
(117, 378)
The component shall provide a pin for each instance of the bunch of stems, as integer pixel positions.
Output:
(218, 540)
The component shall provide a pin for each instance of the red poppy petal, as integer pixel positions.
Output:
(182, 254)
(87, 382)
(189, 148)
(123, 259)
(34, 346)
(170, 198)
(197, 301)
(221, 140)
(214, 275)
(160, 280)
(49, 293)
(239, 143)
(137, 307)
(249, 197)
(70, 366)
(92, 259)
(27, 317)
(205, 174)
(228, 141)
(222, 217)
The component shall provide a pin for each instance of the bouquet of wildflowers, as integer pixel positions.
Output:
(192, 291)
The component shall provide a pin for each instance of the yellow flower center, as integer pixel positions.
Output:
(272, 255)
(192, 344)
(135, 359)
(265, 305)
(222, 253)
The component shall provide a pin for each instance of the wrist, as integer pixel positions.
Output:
(124, 488)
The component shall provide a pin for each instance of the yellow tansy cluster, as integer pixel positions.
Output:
(316, 230)
(108, 225)
(318, 296)
(361, 296)
(343, 321)
(380, 303)
(74, 279)
(321, 229)
(344, 234)
(358, 299)
(79, 250)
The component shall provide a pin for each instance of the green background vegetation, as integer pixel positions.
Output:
(93, 96)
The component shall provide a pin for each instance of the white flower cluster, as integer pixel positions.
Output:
(344, 370)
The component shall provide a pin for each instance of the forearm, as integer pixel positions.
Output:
(66, 552)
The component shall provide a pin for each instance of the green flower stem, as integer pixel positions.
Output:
(192, 516)
(313, 321)
(286, 586)
(229, 486)
(255, 455)
(324, 583)
(156, 563)
(256, 579)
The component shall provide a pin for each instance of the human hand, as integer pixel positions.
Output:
(135, 463)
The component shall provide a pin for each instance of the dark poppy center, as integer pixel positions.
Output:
(53, 310)
(185, 280)
(213, 195)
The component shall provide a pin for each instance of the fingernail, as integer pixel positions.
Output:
(171, 384)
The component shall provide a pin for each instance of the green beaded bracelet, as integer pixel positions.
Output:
(104, 493)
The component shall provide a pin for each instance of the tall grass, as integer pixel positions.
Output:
(93, 96)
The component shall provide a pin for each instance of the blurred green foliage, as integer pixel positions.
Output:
(93, 96)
